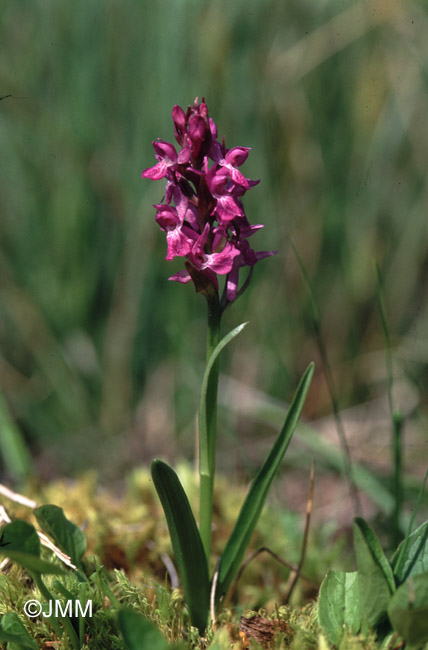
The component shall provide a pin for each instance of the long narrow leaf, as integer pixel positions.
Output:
(186, 542)
(207, 439)
(253, 504)
(207, 447)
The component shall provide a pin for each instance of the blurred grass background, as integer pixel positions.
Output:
(100, 356)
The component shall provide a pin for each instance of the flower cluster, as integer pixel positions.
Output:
(202, 212)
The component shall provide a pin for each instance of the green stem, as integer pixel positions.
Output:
(397, 424)
(209, 427)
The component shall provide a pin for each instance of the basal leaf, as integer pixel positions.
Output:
(339, 605)
(19, 535)
(64, 533)
(253, 504)
(375, 577)
(138, 632)
(19, 542)
(186, 542)
(14, 632)
(408, 610)
(411, 557)
(32, 563)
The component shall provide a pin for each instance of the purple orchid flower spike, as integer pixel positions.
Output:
(203, 215)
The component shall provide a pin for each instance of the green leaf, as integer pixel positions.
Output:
(208, 430)
(207, 449)
(20, 542)
(375, 577)
(253, 504)
(64, 533)
(32, 563)
(19, 536)
(411, 557)
(186, 542)
(15, 634)
(138, 632)
(408, 610)
(339, 605)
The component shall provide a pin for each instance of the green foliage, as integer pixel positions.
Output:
(339, 605)
(411, 557)
(408, 610)
(375, 578)
(66, 535)
(186, 542)
(15, 634)
(237, 544)
(138, 632)
(375, 598)
(207, 433)
(19, 542)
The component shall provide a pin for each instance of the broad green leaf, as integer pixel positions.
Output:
(138, 632)
(19, 536)
(408, 610)
(15, 634)
(186, 542)
(64, 533)
(19, 542)
(339, 605)
(253, 504)
(411, 557)
(375, 577)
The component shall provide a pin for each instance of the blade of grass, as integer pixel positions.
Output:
(330, 382)
(396, 417)
(13, 448)
(253, 504)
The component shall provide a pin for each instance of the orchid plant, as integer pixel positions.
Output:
(204, 220)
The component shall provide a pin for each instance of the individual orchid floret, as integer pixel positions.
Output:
(168, 160)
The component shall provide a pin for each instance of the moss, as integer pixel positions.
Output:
(125, 563)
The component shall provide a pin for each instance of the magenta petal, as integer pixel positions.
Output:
(157, 172)
(232, 281)
(181, 276)
(213, 128)
(247, 231)
(167, 217)
(237, 155)
(178, 244)
(222, 262)
(238, 178)
(227, 209)
(165, 150)
(184, 156)
(262, 254)
(179, 119)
